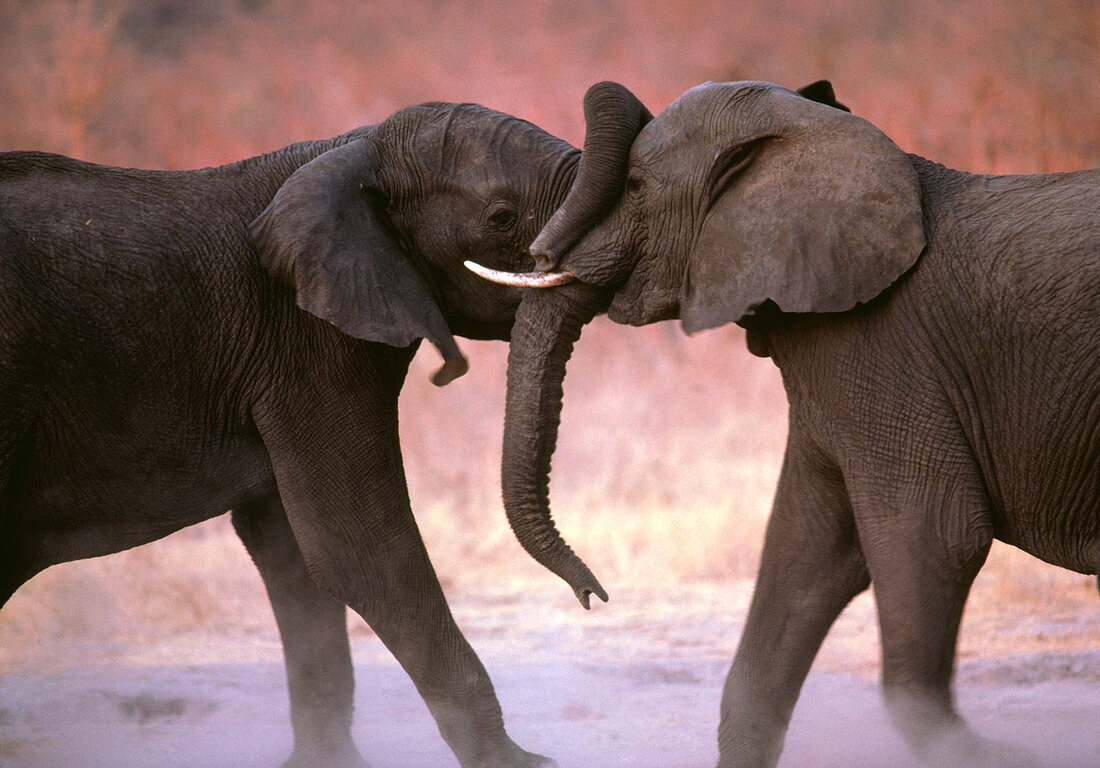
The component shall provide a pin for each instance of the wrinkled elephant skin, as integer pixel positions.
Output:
(177, 344)
(938, 333)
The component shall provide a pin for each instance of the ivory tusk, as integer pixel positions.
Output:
(521, 279)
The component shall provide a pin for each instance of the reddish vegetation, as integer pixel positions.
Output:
(990, 85)
(658, 429)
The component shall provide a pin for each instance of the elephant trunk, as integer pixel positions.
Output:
(613, 117)
(547, 325)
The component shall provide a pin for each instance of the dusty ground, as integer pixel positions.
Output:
(633, 683)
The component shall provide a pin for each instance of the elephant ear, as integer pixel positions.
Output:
(822, 92)
(815, 210)
(323, 235)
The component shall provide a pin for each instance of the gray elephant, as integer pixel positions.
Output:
(938, 333)
(157, 369)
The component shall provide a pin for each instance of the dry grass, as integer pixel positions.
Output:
(665, 467)
(670, 446)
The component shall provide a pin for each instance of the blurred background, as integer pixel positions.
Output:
(670, 445)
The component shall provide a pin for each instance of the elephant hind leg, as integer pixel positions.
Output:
(313, 628)
(16, 568)
(1096, 563)
(8, 584)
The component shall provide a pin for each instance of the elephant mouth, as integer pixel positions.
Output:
(522, 279)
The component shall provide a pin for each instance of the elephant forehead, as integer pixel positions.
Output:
(476, 136)
(471, 150)
(704, 118)
(714, 103)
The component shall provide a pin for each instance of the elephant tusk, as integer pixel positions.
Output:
(521, 279)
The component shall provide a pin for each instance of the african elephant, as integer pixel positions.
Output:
(938, 333)
(177, 344)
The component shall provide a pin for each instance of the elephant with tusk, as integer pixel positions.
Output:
(938, 333)
(174, 345)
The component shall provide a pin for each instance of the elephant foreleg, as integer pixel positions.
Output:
(811, 567)
(924, 546)
(313, 628)
(341, 477)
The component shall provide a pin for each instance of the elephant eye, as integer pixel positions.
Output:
(635, 184)
(502, 218)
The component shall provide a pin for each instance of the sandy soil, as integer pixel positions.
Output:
(632, 683)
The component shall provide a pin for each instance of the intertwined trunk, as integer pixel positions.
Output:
(613, 117)
(548, 323)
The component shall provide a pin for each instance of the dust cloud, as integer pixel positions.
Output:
(633, 684)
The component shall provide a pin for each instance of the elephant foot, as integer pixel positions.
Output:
(345, 756)
(962, 747)
(514, 757)
(475, 733)
(937, 736)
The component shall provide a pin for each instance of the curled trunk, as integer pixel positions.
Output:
(547, 325)
(548, 322)
(613, 116)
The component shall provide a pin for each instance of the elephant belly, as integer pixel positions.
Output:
(1046, 494)
(67, 503)
(1069, 541)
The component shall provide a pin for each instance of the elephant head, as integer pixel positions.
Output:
(372, 232)
(738, 197)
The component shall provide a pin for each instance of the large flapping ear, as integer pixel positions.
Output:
(818, 211)
(322, 234)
